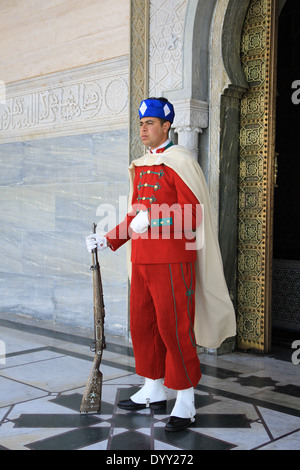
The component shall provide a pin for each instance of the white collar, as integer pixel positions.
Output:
(161, 146)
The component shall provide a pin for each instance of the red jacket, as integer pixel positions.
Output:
(174, 214)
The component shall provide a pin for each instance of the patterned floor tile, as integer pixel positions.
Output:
(243, 401)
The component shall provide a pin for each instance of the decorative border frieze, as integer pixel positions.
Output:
(87, 99)
(256, 160)
(139, 65)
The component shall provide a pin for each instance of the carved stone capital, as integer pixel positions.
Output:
(191, 117)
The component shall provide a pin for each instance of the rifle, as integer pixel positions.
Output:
(91, 400)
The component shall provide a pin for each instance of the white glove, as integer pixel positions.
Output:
(94, 241)
(140, 223)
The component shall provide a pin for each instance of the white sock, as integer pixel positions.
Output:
(153, 391)
(185, 404)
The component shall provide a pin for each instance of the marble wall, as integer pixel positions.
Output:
(63, 153)
(39, 37)
(50, 190)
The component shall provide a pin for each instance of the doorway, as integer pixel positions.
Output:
(286, 235)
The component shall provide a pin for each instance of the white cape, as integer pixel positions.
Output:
(214, 316)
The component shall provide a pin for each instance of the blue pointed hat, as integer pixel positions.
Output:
(157, 108)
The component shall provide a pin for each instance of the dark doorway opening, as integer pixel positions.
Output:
(286, 254)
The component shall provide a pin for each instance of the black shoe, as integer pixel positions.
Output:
(129, 405)
(178, 424)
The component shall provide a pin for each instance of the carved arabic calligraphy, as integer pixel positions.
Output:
(81, 101)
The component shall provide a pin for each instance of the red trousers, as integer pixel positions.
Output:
(162, 310)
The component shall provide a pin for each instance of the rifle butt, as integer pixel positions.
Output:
(91, 400)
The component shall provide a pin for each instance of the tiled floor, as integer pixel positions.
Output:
(243, 401)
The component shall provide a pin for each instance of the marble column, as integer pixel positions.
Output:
(191, 117)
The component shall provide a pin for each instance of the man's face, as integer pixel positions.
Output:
(152, 132)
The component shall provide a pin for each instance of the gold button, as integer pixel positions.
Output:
(148, 172)
(146, 184)
(155, 187)
(144, 198)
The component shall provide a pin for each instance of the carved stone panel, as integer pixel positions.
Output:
(87, 99)
(139, 65)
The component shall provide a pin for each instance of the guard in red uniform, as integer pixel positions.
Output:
(161, 227)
